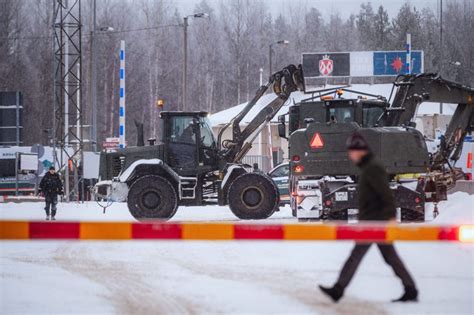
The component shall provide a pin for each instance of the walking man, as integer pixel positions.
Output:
(376, 202)
(51, 186)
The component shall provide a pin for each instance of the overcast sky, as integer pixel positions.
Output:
(344, 7)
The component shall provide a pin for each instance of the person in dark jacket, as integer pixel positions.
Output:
(51, 186)
(376, 202)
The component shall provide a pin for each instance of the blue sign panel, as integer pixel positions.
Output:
(394, 62)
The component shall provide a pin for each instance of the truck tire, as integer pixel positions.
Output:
(409, 215)
(152, 197)
(253, 196)
(341, 215)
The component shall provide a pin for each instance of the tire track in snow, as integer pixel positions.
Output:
(128, 291)
(301, 287)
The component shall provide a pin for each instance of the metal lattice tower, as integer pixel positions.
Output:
(68, 142)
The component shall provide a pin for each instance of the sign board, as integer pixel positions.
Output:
(326, 64)
(8, 157)
(11, 118)
(28, 162)
(359, 63)
(91, 165)
(112, 143)
(393, 62)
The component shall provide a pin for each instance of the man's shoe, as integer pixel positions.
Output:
(53, 219)
(47, 218)
(335, 293)
(410, 295)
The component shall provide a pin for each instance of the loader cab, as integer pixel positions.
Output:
(364, 112)
(190, 146)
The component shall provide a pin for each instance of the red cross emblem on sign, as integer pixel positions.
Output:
(326, 66)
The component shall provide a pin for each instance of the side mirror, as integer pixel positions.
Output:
(282, 127)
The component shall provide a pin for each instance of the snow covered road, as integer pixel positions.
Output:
(195, 277)
(145, 277)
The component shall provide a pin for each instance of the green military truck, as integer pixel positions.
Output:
(322, 179)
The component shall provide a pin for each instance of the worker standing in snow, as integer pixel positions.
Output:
(51, 186)
(376, 202)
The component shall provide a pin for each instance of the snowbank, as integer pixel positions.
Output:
(458, 209)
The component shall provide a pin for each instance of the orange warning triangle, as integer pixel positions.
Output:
(317, 141)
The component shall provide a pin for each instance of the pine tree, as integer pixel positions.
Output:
(365, 26)
(381, 26)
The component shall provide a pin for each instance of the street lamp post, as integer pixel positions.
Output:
(93, 74)
(270, 52)
(185, 61)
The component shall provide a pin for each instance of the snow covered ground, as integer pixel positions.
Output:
(150, 277)
(90, 211)
(190, 277)
(451, 211)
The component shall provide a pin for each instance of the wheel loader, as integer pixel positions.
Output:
(191, 167)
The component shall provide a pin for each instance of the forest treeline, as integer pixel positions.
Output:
(226, 51)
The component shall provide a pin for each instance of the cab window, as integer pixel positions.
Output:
(370, 115)
(182, 130)
(341, 114)
(281, 171)
(207, 137)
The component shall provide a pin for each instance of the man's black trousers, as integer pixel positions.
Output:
(389, 255)
(51, 202)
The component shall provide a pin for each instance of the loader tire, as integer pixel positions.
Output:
(253, 196)
(409, 215)
(152, 197)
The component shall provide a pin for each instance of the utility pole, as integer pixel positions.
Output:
(440, 46)
(185, 62)
(185, 49)
(93, 72)
(67, 133)
(270, 52)
(94, 78)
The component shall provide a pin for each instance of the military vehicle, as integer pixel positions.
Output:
(190, 167)
(322, 179)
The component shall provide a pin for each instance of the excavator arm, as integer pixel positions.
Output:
(412, 90)
(283, 82)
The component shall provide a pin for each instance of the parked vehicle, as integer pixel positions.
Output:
(280, 176)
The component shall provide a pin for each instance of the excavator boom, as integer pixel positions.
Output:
(283, 82)
(426, 87)
(412, 90)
